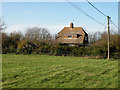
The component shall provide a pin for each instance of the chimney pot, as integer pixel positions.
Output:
(71, 25)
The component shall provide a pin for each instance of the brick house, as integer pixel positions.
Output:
(72, 36)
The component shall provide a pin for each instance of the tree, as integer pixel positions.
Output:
(114, 44)
(2, 25)
(38, 34)
(14, 38)
(10, 41)
(5, 42)
(94, 37)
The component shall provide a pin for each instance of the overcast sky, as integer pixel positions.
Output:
(56, 15)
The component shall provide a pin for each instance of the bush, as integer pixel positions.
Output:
(25, 47)
(4, 51)
(115, 55)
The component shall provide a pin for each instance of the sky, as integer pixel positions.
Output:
(54, 16)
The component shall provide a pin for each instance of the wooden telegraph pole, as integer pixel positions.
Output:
(108, 18)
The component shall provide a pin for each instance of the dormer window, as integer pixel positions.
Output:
(78, 35)
(69, 36)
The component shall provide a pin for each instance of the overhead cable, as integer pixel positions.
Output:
(79, 9)
(96, 8)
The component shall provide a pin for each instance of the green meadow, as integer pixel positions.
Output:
(44, 71)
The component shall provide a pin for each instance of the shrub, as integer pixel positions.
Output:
(25, 47)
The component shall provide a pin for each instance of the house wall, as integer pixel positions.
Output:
(63, 35)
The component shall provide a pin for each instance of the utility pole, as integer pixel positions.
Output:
(108, 18)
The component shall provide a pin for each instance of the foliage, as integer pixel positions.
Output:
(37, 34)
(9, 42)
(38, 41)
(25, 47)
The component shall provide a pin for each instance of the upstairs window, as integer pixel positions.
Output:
(78, 35)
(69, 36)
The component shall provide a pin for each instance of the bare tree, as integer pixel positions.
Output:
(39, 34)
(94, 36)
(45, 35)
(2, 24)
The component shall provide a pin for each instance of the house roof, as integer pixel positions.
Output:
(75, 30)
(71, 31)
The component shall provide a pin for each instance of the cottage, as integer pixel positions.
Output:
(72, 36)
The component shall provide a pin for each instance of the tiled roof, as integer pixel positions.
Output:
(62, 35)
(75, 29)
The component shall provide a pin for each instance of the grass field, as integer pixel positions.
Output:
(43, 71)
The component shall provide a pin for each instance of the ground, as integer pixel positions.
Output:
(43, 71)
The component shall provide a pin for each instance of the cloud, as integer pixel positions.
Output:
(53, 29)
(16, 28)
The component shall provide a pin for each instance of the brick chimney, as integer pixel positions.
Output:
(71, 25)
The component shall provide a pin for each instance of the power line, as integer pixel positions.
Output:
(96, 8)
(101, 13)
(105, 26)
(79, 9)
(114, 24)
